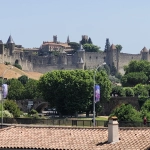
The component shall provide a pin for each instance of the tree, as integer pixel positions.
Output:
(134, 78)
(128, 91)
(31, 90)
(91, 48)
(140, 90)
(107, 45)
(12, 107)
(72, 91)
(15, 90)
(145, 110)
(90, 41)
(126, 112)
(74, 45)
(23, 79)
(138, 66)
(118, 90)
(118, 47)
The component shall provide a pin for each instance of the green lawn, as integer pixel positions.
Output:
(97, 118)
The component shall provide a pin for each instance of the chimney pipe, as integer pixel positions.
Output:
(113, 132)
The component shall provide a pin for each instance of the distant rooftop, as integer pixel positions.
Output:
(10, 40)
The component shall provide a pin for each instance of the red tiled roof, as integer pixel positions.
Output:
(65, 138)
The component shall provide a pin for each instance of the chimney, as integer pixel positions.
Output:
(113, 132)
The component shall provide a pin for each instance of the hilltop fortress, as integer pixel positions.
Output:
(57, 55)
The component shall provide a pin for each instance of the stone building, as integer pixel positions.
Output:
(56, 55)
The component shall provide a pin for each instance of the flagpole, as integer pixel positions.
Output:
(94, 92)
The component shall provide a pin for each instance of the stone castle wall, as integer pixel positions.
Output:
(93, 59)
(125, 58)
(30, 61)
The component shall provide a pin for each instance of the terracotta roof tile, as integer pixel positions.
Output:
(72, 138)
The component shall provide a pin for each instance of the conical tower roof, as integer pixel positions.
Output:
(10, 40)
(144, 49)
(112, 47)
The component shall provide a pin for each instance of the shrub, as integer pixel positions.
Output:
(7, 114)
(118, 90)
(33, 112)
(140, 90)
(133, 78)
(126, 112)
(12, 107)
(128, 91)
(7, 63)
(145, 109)
(18, 66)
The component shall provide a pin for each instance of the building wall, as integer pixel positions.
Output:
(93, 59)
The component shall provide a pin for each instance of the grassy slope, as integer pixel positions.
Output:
(15, 72)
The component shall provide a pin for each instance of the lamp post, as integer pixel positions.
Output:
(1, 97)
(94, 92)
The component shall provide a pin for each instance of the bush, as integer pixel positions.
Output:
(140, 90)
(118, 90)
(133, 78)
(18, 66)
(33, 112)
(128, 91)
(126, 112)
(7, 63)
(114, 79)
(12, 107)
(7, 114)
(145, 110)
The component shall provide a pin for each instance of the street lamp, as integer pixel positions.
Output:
(1, 94)
(94, 92)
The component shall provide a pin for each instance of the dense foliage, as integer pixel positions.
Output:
(145, 110)
(119, 47)
(12, 107)
(136, 72)
(15, 89)
(74, 45)
(91, 48)
(72, 91)
(126, 112)
(23, 79)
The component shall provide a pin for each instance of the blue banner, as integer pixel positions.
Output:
(4, 90)
(97, 93)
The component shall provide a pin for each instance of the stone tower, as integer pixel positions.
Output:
(81, 57)
(112, 56)
(10, 45)
(63, 58)
(55, 38)
(145, 54)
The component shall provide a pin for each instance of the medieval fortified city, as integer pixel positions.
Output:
(55, 55)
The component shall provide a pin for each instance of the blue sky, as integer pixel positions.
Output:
(30, 22)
